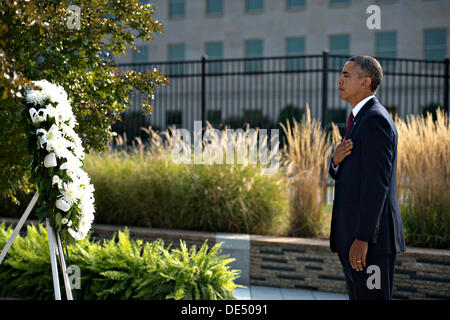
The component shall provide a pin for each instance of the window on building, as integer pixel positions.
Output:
(177, 53)
(333, 2)
(386, 47)
(214, 6)
(435, 44)
(141, 55)
(255, 5)
(295, 47)
(387, 1)
(214, 50)
(339, 45)
(176, 8)
(296, 4)
(253, 49)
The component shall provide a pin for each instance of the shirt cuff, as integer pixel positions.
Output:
(335, 168)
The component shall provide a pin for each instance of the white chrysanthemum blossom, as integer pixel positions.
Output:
(51, 111)
(69, 132)
(36, 97)
(53, 92)
(75, 141)
(85, 223)
(83, 179)
(89, 187)
(60, 148)
(72, 122)
(72, 163)
(71, 192)
(79, 153)
(87, 203)
(64, 111)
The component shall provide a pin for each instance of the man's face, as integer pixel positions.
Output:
(350, 83)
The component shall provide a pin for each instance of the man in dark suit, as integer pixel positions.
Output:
(366, 225)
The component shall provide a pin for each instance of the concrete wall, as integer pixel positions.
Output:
(309, 264)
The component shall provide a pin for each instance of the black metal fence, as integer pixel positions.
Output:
(265, 91)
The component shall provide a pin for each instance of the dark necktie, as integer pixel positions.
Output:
(349, 123)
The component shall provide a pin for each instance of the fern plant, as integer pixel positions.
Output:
(119, 268)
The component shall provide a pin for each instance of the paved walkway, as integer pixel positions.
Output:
(272, 293)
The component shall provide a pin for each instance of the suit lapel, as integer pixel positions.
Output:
(358, 117)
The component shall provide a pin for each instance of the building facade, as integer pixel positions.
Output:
(233, 29)
(417, 29)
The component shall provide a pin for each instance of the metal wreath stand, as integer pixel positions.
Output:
(54, 243)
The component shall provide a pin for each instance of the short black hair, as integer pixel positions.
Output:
(370, 67)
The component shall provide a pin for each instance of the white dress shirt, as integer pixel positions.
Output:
(355, 111)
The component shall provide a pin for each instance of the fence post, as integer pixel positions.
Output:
(204, 92)
(325, 56)
(446, 84)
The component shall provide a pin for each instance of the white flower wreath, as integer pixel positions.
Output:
(66, 195)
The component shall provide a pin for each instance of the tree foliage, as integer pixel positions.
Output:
(38, 40)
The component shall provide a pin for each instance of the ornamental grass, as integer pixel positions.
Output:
(424, 179)
(142, 186)
(306, 158)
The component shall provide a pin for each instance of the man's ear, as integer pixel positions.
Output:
(367, 82)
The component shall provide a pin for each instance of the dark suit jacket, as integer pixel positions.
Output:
(365, 199)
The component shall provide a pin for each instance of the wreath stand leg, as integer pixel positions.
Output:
(55, 247)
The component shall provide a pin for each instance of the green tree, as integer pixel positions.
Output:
(39, 39)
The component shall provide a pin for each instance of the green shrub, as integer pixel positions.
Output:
(119, 268)
(131, 123)
(144, 189)
(337, 115)
(290, 112)
(214, 117)
(253, 117)
(429, 228)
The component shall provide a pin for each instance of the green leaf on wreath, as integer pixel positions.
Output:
(58, 218)
(42, 213)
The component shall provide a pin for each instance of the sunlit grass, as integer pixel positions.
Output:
(306, 158)
(424, 178)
